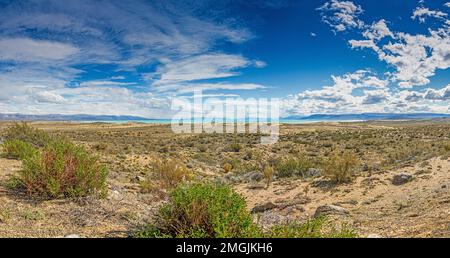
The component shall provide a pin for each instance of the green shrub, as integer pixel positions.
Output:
(24, 132)
(293, 167)
(17, 149)
(62, 169)
(235, 147)
(216, 211)
(202, 211)
(340, 168)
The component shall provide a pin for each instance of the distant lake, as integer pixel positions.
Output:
(169, 121)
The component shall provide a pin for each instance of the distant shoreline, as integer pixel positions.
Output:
(281, 121)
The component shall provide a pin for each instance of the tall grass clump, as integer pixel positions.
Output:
(17, 149)
(202, 211)
(170, 172)
(340, 167)
(293, 167)
(62, 169)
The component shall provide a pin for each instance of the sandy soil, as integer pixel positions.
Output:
(419, 208)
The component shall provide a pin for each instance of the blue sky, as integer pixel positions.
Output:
(133, 57)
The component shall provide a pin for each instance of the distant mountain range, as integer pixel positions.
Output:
(316, 117)
(369, 116)
(80, 117)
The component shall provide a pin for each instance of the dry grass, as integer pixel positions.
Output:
(170, 173)
(340, 167)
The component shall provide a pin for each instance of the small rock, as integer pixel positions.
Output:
(351, 202)
(139, 179)
(374, 236)
(401, 178)
(376, 167)
(254, 176)
(313, 172)
(73, 236)
(329, 209)
(365, 167)
(263, 207)
(256, 186)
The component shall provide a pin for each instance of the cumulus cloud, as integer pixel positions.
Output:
(340, 97)
(378, 30)
(422, 12)
(341, 15)
(350, 93)
(415, 58)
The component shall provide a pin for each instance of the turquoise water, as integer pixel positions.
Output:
(169, 121)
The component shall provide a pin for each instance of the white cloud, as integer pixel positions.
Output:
(340, 97)
(45, 40)
(350, 93)
(378, 31)
(341, 15)
(50, 97)
(363, 44)
(101, 83)
(182, 88)
(201, 67)
(415, 58)
(422, 12)
(442, 94)
(30, 50)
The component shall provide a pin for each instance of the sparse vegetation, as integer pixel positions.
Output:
(17, 149)
(293, 167)
(312, 228)
(216, 211)
(169, 172)
(340, 167)
(62, 169)
(202, 210)
(148, 162)
(25, 133)
(268, 172)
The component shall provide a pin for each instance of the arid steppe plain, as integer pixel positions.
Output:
(397, 183)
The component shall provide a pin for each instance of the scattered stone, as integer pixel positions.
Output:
(263, 207)
(350, 202)
(254, 176)
(269, 219)
(401, 179)
(313, 172)
(374, 236)
(302, 199)
(256, 186)
(139, 179)
(293, 202)
(365, 167)
(73, 236)
(329, 209)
